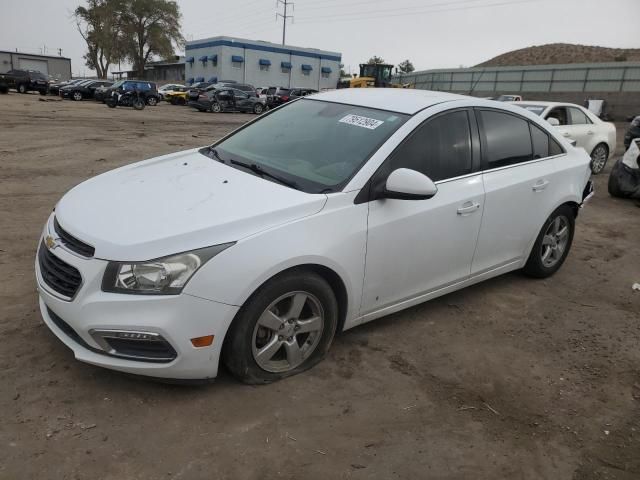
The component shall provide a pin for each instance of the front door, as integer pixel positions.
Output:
(418, 246)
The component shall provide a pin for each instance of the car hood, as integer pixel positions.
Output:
(176, 203)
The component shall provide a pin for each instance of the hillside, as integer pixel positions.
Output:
(555, 53)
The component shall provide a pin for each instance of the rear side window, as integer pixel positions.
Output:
(578, 117)
(507, 140)
(440, 148)
(540, 141)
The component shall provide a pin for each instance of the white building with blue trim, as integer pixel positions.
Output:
(261, 64)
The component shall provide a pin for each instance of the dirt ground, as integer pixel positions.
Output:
(510, 379)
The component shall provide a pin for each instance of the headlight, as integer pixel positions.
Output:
(163, 276)
(635, 122)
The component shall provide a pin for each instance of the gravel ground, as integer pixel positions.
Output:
(512, 378)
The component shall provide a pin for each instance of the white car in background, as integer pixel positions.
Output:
(168, 88)
(598, 138)
(329, 212)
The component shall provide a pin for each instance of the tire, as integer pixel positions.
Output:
(599, 157)
(76, 96)
(111, 103)
(138, 104)
(22, 88)
(285, 350)
(152, 101)
(216, 107)
(43, 92)
(552, 244)
(258, 108)
(181, 101)
(4, 89)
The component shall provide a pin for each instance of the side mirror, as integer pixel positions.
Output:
(553, 121)
(407, 184)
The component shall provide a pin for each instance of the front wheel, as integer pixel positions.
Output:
(111, 102)
(258, 108)
(599, 157)
(216, 107)
(152, 101)
(286, 327)
(552, 245)
(138, 103)
(77, 96)
(22, 88)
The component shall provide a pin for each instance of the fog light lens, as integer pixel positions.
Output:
(202, 341)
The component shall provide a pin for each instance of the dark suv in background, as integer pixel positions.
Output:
(149, 90)
(276, 96)
(24, 81)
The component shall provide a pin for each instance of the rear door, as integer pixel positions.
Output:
(242, 100)
(521, 186)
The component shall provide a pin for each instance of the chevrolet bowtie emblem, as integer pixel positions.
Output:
(50, 242)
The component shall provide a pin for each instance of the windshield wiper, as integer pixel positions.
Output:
(215, 154)
(254, 167)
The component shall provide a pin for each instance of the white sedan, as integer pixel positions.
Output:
(598, 138)
(331, 211)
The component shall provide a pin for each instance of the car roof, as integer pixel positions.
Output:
(402, 100)
(546, 104)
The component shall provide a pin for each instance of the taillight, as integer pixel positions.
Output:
(284, 98)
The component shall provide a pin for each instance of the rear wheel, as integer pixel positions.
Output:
(258, 108)
(22, 88)
(111, 102)
(285, 328)
(599, 157)
(152, 101)
(43, 92)
(77, 96)
(216, 107)
(552, 245)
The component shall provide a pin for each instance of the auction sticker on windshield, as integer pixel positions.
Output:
(358, 121)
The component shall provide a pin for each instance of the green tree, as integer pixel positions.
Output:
(100, 25)
(406, 66)
(375, 60)
(151, 28)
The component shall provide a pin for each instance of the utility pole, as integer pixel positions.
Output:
(284, 16)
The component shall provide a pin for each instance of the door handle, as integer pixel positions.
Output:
(468, 208)
(566, 134)
(540, 185)
(590, 132)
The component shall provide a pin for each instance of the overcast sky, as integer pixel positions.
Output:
(431, 33)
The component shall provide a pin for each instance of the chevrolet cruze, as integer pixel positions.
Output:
(326, 213)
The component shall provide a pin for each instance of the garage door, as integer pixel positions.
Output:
(30, 64)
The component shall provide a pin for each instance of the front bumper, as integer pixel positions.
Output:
(176, 318)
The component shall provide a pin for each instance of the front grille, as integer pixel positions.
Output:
(68, 330)
(57, 274)
(71, 242)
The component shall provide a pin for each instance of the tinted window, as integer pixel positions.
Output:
(555, 148)
(440, 148)
(507, 139)
(578, 117)
(540, 142)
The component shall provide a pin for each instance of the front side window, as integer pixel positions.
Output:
(559, 113)
(317, 145)
(440, 148)
(578, 117)
(507, 140)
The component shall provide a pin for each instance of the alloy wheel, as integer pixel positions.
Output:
(77, 96)
(554, 242)
(287, 332)
(598, 158)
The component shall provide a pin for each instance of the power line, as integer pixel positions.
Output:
(386, 14)
(284, 17)
(322, 6)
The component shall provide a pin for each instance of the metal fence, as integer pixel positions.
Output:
(584, 77)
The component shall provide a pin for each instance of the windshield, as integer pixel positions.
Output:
(537, 109)
(271, 90)
(317, 145)
(118, 83)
